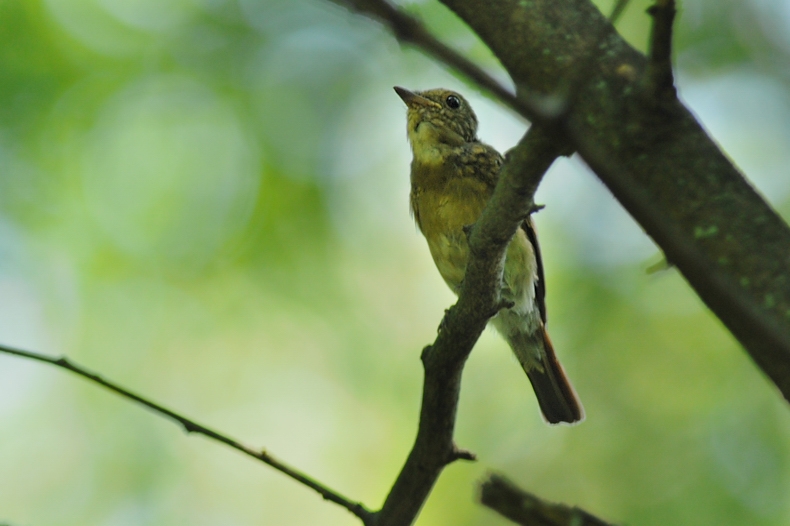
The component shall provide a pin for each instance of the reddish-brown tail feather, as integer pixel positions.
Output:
(557, 399)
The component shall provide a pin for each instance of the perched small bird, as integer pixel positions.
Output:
(453, 175)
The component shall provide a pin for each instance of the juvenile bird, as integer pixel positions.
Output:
(453, 175)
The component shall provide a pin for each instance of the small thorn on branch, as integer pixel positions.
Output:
(659, 77)
(62, 362)
(425, 352)
(533, 208)
(461, 454)
(189, 427)
(662, 265)
(443, 324)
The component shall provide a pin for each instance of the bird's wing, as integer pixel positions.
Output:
(540, 283)
(479, 161)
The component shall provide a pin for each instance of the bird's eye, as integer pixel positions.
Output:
(453, 102)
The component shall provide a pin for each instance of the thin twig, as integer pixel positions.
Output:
(538, 108)
(410, 30)
(659, 76)
(507, 499)
(617, 10)
(190, 426)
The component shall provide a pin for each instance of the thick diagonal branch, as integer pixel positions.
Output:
(736, 249)
(649, 150)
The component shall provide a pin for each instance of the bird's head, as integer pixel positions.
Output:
(438, 116)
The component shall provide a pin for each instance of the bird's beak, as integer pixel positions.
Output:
(412, 99)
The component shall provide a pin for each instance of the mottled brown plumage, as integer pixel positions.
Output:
(453, 175)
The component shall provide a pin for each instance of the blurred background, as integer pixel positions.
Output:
(206, 201)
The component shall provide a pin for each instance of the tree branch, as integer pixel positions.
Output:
(409, 30)
(463, 323)
(617, 10)
(626, 122)
(190, 426)
(737, 247)
(700, 199)
(656, 159)
(507, 499)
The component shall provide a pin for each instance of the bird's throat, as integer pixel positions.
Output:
(431, 144)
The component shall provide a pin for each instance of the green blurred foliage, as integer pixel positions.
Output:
(206, 201)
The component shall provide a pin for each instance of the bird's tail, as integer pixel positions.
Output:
(557, 398)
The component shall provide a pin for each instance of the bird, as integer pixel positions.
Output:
(453, 175)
